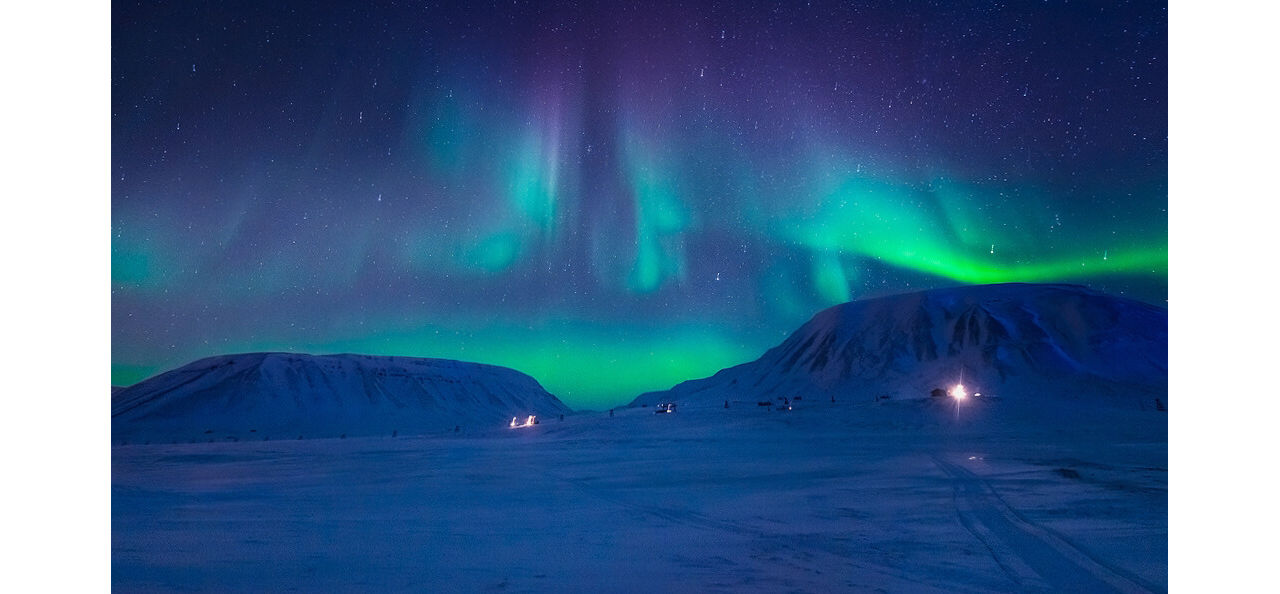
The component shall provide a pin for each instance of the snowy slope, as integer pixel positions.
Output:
(287, 395)
(1016, 341)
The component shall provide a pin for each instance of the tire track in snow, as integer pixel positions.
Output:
(822, 545)
(1034, 557)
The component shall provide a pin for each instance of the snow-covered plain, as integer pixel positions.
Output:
(892, 496)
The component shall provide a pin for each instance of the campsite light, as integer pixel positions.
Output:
(959, 394)
(528, 422)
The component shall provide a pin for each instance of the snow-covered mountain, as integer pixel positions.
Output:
(1015, 341)
(287, 395)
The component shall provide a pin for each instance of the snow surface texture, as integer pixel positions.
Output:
(1013, 341)
(288, 396)
(895, 496)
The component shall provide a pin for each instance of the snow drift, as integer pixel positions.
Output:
(287, 395)
(1015, 341)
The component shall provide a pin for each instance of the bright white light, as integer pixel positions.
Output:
(958, 392)
(516, 424)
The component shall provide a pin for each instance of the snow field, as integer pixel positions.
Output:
(846, 496)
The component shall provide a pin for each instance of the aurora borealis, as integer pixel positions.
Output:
(613, 199)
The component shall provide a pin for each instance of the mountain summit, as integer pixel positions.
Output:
(287, 395)
(1016, 341)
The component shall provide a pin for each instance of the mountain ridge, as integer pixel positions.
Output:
(258, 394)
(1012, 338)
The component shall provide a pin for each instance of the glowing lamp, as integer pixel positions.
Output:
(958, 392)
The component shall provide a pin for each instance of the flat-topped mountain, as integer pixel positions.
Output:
(287, 395)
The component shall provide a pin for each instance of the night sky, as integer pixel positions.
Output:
(609, 198)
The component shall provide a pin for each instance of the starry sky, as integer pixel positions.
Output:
(613, 198)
